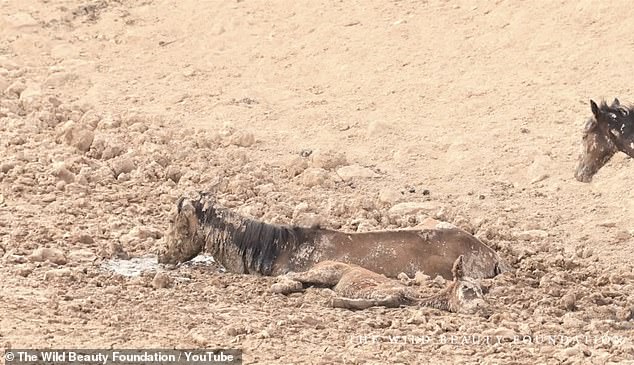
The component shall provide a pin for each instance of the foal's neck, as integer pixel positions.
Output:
(625, 144)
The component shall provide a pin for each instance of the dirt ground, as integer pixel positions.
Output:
(297, 112)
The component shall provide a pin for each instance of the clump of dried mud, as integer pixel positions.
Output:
(78, 187)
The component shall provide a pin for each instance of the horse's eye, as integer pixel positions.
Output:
(469, 293)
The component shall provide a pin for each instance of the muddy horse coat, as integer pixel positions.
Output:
(249, 246)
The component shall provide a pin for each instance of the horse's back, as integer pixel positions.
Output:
(432, 251)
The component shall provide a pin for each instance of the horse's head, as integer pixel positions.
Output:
(182, 241)
(599, 142)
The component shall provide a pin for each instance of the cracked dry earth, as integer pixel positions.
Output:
(357, 115)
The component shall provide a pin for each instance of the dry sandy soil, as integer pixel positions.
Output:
(110, 110)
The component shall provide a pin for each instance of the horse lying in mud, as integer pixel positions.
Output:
(610, 130)
(359, 288)
(248, 246)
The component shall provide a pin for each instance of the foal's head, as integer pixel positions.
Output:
(465, 294)
(607, 132)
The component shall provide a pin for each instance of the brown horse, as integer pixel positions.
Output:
(359, 288)
(610, 130)
(249, 246)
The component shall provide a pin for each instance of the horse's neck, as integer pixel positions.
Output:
(624, 142)
(439, 301)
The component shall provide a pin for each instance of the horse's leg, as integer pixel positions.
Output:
(390, 301)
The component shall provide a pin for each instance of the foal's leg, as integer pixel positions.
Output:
(326, 273)
(323, 274)
(390, 301)
(287, 286)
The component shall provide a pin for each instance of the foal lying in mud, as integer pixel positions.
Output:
(359, 288)
(248, 246)
(610, 130)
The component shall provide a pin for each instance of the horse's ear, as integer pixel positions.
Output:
(616, 102)
(594, 107)
(458, 268)
(179, 204)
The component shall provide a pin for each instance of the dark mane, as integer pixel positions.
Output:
(623, 117)
(258, 244)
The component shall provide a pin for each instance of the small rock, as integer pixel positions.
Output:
(161, 280)
(263, 334)
(138, 127)
(24, 271)
(199, 339)
(64, 51)
(122, 165)
(116, 251)
(15, 88)
(501, 334)
(4, 83)
(569, 302)
(538, 170)
(314, 177)
(82, 139)
(440, 281)
(124, 177)
(377, 128)
(83, 255)
(21, 20)
(625, 314)
(296, 166)
(173, 173)
(236, 330)
(355, 171)
(420, 278)
(525, 329)
(389, 196)
(242, 139)
(31, 94)
(47, 198)
(15, 259)
(59, 79)
(531, 235)
(410, 208)
(570, 321)
(570, 352)
(48, 254)
(265, 188)
(607, 224)
(57, 273)
(83, 238)
(301, 208)
(7, 166)
(622, 235)
(60, 171)
(328, 160)
(308, 220)
(417, 318)
(145, 232)
(90, 119)
(431, 223)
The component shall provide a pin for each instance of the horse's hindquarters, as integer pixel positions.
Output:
(432, 252)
